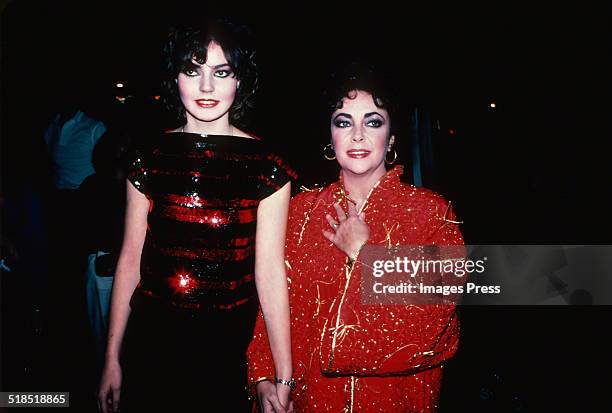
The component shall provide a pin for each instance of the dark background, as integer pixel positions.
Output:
(534, 170)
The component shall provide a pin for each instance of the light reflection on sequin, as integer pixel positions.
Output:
(199, 238)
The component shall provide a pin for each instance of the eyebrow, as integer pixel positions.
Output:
(346, 115)
(195, 62)
(367, 115)
(217, 67)
(221, 65)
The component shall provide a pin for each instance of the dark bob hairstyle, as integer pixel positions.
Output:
(188, 43)
(362, 76)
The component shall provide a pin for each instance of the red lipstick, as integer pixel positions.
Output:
(207, 103)
(358, 153)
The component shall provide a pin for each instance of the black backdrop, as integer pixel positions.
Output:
(533, 170)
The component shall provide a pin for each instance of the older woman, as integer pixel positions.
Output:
(348, 356)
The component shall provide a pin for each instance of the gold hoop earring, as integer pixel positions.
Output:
(325, 155)
(394, 157)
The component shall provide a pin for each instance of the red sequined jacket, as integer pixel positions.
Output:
(351, 357)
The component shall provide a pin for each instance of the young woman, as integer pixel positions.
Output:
(205, 227)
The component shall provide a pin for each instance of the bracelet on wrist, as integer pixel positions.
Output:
(290, 383)
(259, 380)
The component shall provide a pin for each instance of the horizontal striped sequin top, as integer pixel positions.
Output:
(204, 191)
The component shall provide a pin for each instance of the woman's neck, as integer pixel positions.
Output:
(358, 186)
(218, 127)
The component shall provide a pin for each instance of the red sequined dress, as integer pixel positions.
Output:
(349, 357)
(194, 310)
(204, 191)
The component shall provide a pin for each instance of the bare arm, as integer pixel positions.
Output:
(271, 279)
(126, 279)
(127, 275)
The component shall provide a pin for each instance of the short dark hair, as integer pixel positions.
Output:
(187, 43)
(358, 75)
